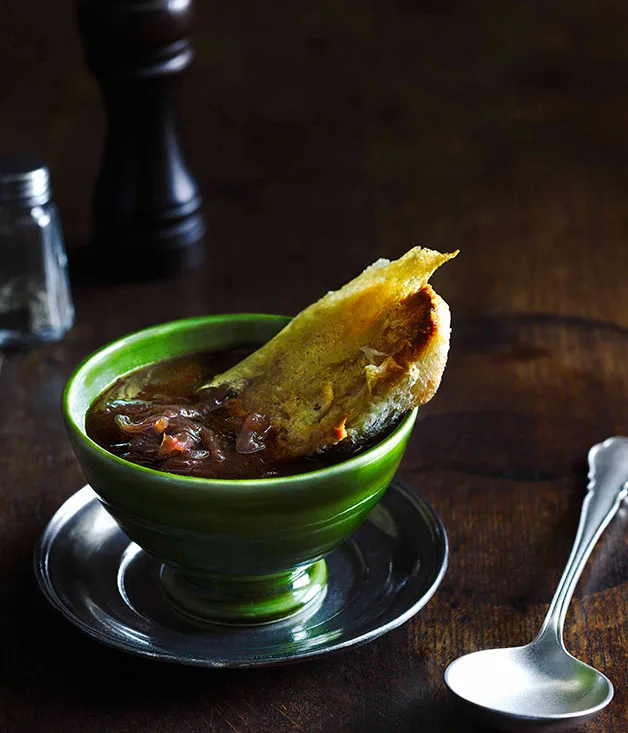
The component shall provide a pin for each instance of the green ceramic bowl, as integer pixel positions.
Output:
(240, 551)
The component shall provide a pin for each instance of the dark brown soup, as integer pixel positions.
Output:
(157, 417)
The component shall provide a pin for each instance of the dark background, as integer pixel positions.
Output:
(325, 135)
(337, 131)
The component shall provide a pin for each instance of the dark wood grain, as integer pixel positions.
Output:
(323, 137)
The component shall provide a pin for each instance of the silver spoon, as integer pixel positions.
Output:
(541, 685)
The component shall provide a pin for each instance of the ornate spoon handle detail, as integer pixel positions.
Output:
(608, 487)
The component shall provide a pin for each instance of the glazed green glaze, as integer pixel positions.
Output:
(214, 535)
(246, 599)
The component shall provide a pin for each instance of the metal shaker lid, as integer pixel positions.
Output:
(24, 179)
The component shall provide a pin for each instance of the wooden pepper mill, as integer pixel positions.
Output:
(147, 216)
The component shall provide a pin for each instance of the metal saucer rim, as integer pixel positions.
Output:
(82, 497)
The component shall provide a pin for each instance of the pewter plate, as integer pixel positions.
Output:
(107, 586)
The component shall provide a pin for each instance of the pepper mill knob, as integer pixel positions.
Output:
(146, 209)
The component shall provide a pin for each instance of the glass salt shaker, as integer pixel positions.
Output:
(35, 300)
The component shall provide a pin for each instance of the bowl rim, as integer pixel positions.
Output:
(369, 456)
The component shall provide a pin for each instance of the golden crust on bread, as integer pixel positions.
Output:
(353, 362)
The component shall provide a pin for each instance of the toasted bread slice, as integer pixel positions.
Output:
(353, 362)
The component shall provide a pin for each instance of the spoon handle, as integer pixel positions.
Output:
(608, 477)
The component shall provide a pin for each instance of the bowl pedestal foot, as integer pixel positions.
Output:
(244, 600)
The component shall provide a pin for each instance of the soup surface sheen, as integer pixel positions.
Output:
(159, 417)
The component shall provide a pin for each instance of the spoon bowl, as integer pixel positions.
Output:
(532, 687)
(540, 685)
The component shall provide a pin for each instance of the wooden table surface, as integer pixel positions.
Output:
(324, 136)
